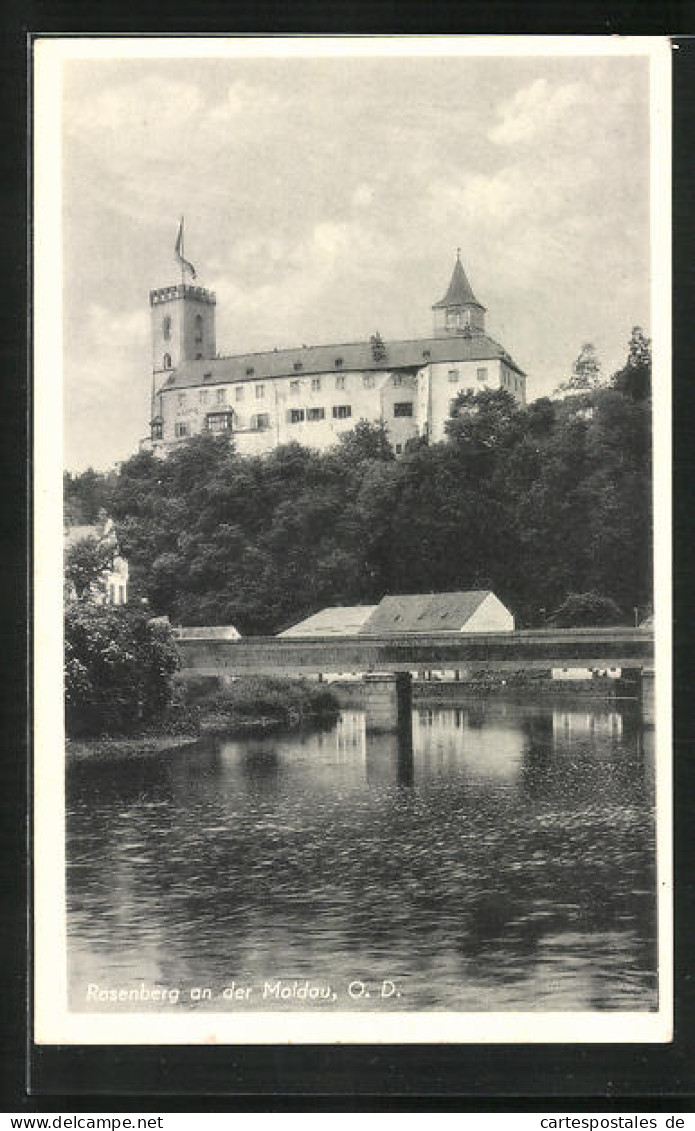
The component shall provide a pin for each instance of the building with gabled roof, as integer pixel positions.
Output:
(473, 610)
(313, 394)
(339, 620)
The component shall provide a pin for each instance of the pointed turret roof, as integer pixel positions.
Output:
(459, 292)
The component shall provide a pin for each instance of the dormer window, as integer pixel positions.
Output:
(297, 366)
(339, 363)
(250, 371)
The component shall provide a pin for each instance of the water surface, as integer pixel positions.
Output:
(505, 861)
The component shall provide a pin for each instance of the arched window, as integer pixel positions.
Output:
(166, 361)
(166, 328)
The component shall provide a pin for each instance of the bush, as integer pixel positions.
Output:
(585, 610)
(284, 700)
(119, 668)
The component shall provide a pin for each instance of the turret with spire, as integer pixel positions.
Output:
(459, 312)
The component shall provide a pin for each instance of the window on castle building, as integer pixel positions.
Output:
(426, 353)
(403, 408)
(166, 328)
(250, 371)
(221, 396)
(481, 374)
(260, 392)
(295, 387)
(219, 422)
(315, 414)
(339, 363)
(182, 400)
(166, 361)
(452, 318)
(315, 384)
(398, 379)
(203, 396)
(239, 392)
(342, 411)
(368, 380)
(297, 366)
(260, 422)
(199, 356)
(296, 415)
(180, 429)
(198, 327)
(340, 382)
(453, 375)
(156, 430)
(399, 449)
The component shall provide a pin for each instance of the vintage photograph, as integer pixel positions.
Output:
(353, 600)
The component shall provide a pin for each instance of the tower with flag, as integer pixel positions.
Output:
(182, 320)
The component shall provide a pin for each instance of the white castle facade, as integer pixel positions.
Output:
(313, 394)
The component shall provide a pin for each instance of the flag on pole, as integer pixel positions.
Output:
(186, 265)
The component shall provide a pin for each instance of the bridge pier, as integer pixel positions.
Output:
(387, 698)
(648, 698)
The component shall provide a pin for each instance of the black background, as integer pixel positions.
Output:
(329, 1078)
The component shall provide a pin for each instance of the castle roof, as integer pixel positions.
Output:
(425, 612)
(460, 292)
(342, 358)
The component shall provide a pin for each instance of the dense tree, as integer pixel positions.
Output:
(86, 495)
(119, 669)
(85, 563)
(635, 377)
(585, 609)
(534, 502)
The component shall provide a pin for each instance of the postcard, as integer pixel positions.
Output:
(352, 498)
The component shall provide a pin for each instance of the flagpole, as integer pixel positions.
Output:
(183, 269)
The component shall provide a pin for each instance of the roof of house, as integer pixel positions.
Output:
(425, 612)
(341, 620)
(350, 356)
(460, 292)
(74, 534)
(77, 533)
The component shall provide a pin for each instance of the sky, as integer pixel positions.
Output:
(324, 199)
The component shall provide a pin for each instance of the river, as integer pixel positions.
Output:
(505, 862)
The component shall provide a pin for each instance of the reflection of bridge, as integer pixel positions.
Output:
(631, 648)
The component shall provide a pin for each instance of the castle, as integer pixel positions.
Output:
(313, 394)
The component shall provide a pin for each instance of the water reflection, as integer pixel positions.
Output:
(496, 856)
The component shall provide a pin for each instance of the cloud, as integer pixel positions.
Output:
(245, 98)
(137, 118)
(532, 111)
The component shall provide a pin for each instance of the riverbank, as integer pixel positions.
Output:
(210, 706)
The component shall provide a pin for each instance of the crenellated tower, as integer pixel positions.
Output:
(183, 325)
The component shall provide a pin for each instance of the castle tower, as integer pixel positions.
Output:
(459, 312)
(183, 326)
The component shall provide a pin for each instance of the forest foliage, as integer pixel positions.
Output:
(536, 503)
